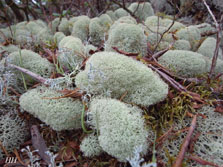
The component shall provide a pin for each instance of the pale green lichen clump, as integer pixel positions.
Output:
(105, 21)
(64, 26)
(111, 14)
(184, 63)
(120, 13)
(96, 31)
(191, 34)
(22, 36)
(73, 43)
(142, 10)
(81, 28)
(156, 23)
(90, 146)
(54, 24)
(6, 50)
(116, 74)
(128, 38)
(58, 36)
(121, 127)
(59, 114)
(205, 28)
(207, 48)
(30, 61)
(35, 26)
(181, 45)
(71, 52)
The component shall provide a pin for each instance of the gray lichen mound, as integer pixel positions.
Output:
(30, 61)
(218, 68)
(5, 34)
(128, 38)
(205, 28)
(96, 31)
(71, 52)
(59, 114)
(184, 63)
(54, 24)
(81, 28)
(44, 36)
(191, 34)
(58, 36)
(64, 26)
(155, 22)
(120, 13)
(6, 50)
(35, 26)
(22, 36)
(124, 19)
(111, 14)
(14, 132)
(105, 21)
(121, 127)
(181, 45)
(207, 48)
(71, 42)
(118, 74)
(141, 10)
(90, 146)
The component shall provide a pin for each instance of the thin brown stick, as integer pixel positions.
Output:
(160, 53)
(3, 149)
(39, 144)
(18, 157)
(215, 57)
(122, 97)
(201, 161)
(162, 35)
(180, 157)
(30, 73)
(162, 138)
(172, 82)
(126, 9)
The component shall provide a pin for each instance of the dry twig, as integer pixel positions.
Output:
(201, 161)
(30, 73)
(215, 57)
(180, 157)
(39, 144)
(126, 9)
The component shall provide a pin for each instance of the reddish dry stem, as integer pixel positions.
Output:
(215, 57)
(180, 157)
(162, 138)
(30, 73)
(201, 161)
(39, 144)
(3, 149)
